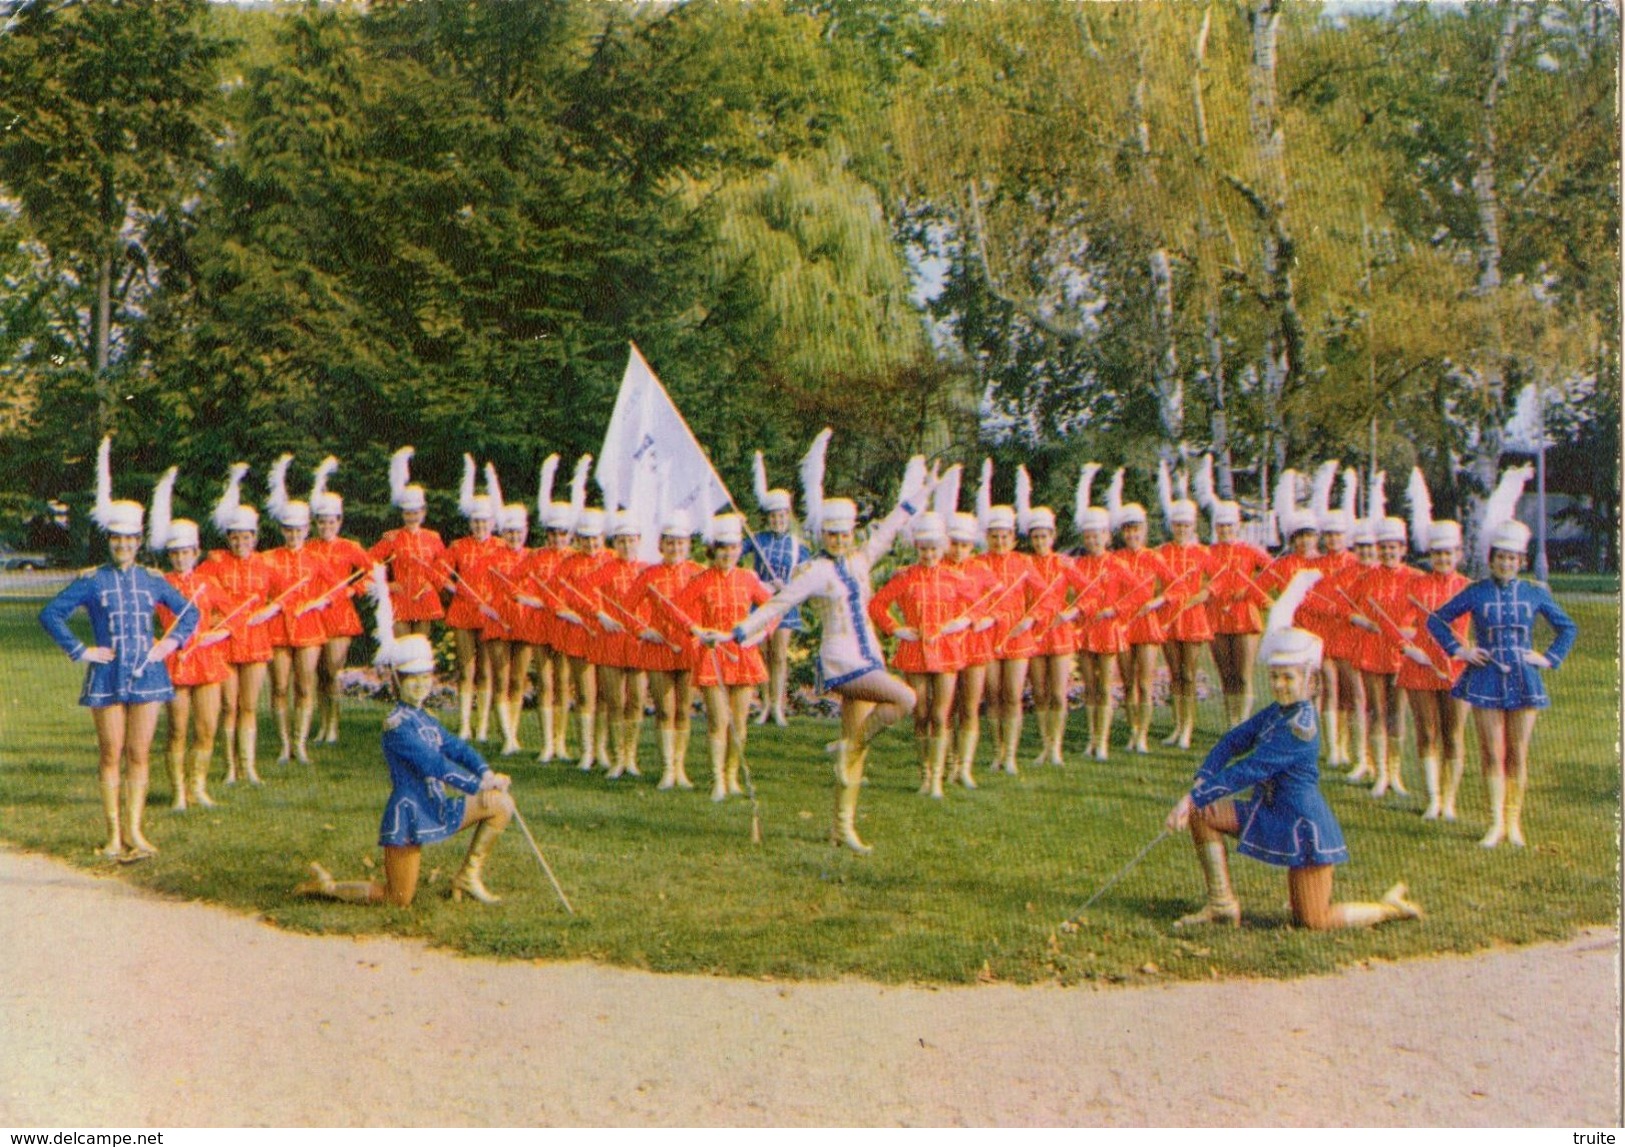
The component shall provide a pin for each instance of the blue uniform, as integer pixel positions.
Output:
(424, 760)
(120, 604)
(1503, 623)
(1286, 821)
(775, 557)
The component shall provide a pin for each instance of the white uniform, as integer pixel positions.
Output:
(839, 590)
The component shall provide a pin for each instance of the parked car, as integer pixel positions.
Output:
(15, 559)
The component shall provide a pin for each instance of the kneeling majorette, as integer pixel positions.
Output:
(198, 669)
(837, 582)
(1502, 679)
(424, 760)
(125, 677)
(1286, 821)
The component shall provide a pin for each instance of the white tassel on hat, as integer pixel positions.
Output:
(1024, 498)
(276, 483)
(578, 484)
(945, 498)
(1080, 500)
(158, 520)
(226, 515)
(984, 496)
(1203, 483)
(812, 481)
(1421, 503)
(758, 475)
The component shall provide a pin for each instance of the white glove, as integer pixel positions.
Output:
(1415, 654)
(904, 633)
(570, 615)
(609, 623)
(1538, 660)
(653, 635)
(527, 601)
(984, 625)
(260, 617)
(957, 625)
(495, 780)
(162, 650)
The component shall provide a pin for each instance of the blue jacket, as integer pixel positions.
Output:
(424, 760)
(120, 604)
(775, 557)
(1503, 623)
(1286, 821)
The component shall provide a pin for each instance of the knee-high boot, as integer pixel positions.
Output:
(922, 757)
(467, 882)
(350, 891)
(1011, 743)
(680, 748)
(544, 714)
(967, 756)
(719, 765)
(285, 752)
(668, 758)
(482, 729)
(849, 767)
(199, 779)
(617, 757)
(736, 754)
(1329, 730)
(603, 724)
(561, 731)
(588, 742)
(1430, 773)
(1497, 785)
(1452, 784)
(111, 814)
(1515, 791)
(939, 764)
(1394, 905)
(248, 748)
(1379, 749)
(1222, 904)
(634, 729)
(135, 805)
(1103, 730)
(177, 778)
(1396, 762)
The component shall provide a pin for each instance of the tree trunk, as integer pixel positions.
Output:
(101, 320)
(1486, 458)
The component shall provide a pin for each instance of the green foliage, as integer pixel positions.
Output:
(974, 887)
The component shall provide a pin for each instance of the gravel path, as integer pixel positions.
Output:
(216, 1019)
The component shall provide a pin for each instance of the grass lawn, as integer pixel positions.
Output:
(972, 887)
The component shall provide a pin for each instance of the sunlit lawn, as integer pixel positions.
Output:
(973, 886)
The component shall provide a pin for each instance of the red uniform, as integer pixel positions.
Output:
(717, 600)
(614, 583)
(575, 584)
(245, 586)
(976, 648)
(928, 600)
(534, 577)
(1236, 598)
(1010, 605)
(500, 588)
(1116, 588)
(668, 581)
(1057, 575)
(1193, 566)
(194, 664)
(1432, 590)
(343, 557)
(415, 583)
(1377, 592)
(1146, 568)
(298, 577)
(471, 560)
(1328, 602)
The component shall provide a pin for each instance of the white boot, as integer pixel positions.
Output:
(939, 764)
(465, 715)
(588, 743)
(967, 756)
(719, 766)
(467, 882)
(1515, 790)
(1222, 905)
(1396, 762)
(680, 751)
(1497, 785)
(668, 759)
(544, 713)
(482, 731)
(199, 778)
(177, 778)
(1430, 773)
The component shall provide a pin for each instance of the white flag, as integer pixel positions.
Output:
(648, 437)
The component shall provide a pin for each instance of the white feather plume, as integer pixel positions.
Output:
(1024, 498)
(984, 496)
(812, 481)
(465, 490)
(578, 484)
(1502, 505)
(276, 485)
(1376, 502)
(324, 471)
(1321, 497)
(493, 488)
(1421, 503)
(384, 617)
(1203, 483)
(1286, 496)
(1351, 496)
(945, 498)
(1114, 498)
(1080, 500)
(915, 481)
(544, 489)
(400, 472)
(163, 498)
(1286, 606)
(758, 476)
(104, 481)
(1182, 485)
(232, 498)
(1165, 490)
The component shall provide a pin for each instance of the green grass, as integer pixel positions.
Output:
(975, 886)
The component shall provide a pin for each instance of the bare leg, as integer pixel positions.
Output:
(1520, 727)
(1329, 714)
(484, 689)
(778, 677)
(229, 692)
(1453, 735)
(1310, 890)
(968, 722)
(334, 656)
(141, 722)
(110, 722)
(281, 688)
(584, 681)
(1492, 743)
(205, 720)
(250, 680)
(1012, 679)
(304, 694)
(468, 668)
(1425, 714)
(179, 711)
